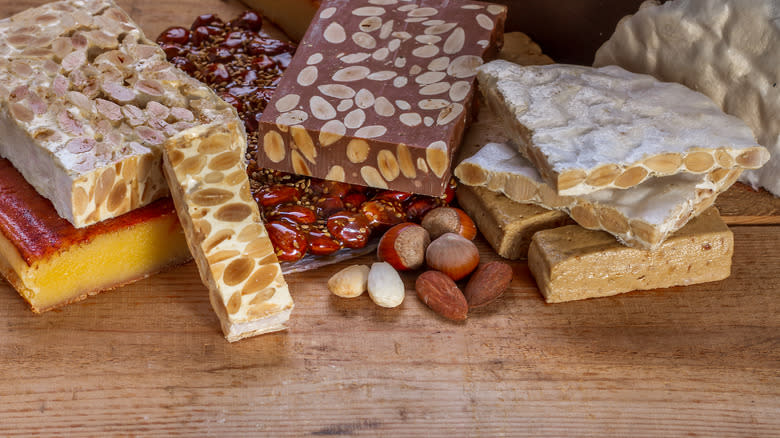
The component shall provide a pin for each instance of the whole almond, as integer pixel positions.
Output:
(487, 283)
(349, 282)
(385, 286)
(441, 294)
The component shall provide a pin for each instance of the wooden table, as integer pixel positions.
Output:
(149, 358)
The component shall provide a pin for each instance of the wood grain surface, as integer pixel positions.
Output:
(149, 359)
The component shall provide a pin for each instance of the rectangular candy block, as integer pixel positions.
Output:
(379, 92)
(86, 101)
(51, 263)
(572, 263)
(507, 225)
(207, 175)
(589, 129)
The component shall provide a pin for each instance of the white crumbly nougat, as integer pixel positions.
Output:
(589, 129)
(726, 49)
(86, 101)
(207, 175)
(642, 216)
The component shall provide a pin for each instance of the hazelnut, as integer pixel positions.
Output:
(403, 246)
(453, 255)
(449, 220)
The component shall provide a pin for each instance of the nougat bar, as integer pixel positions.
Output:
(206, 172)
(86, 101)
(641, 216)
(507, 225)
(572, 263)
(726, 49)
(589, 129)
(51, 263)
(378, 93)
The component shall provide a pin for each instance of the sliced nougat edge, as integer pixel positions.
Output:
(87, 101)
(552, 112)
(642, 216)
(507, 225)
(207, 176)
(572, 263)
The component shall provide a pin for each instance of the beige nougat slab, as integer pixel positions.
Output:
(572, 263)
(507, 225)
(86, 101)
(589, 129)
(207, 175)
(726, 49)
(642, 216)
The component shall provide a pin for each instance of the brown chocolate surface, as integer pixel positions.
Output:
(379, 91)
(29, 220)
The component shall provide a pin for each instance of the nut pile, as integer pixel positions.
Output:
(302, 215)
(451, 256)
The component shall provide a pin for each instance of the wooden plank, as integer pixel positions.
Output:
(741, 205)
(696, 360)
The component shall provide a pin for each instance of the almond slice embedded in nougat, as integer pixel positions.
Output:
(641, 216)
(207, 176)
(589, 129)
(572, 263)
(86, 102)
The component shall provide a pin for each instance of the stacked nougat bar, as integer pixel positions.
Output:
(617, 151)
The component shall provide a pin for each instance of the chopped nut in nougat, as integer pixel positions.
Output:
(87, 101)
(572, 263)
(51, 263)
(589, 129)
(641, 216)
(206, 172)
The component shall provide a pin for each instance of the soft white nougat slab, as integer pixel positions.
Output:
(86, 101)
(642, 216)
(589, 129)
(726, 49)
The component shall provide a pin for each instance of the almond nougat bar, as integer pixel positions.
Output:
(206, 172)
(86, 101)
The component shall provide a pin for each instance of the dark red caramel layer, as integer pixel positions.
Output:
(29, 220)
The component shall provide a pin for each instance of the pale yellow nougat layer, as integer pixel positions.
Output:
(86, 101)
(507, 225)
(206, 172)
(572, 263)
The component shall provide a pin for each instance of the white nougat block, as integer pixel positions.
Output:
(589, 129)
(86, 101)
(726, 49)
